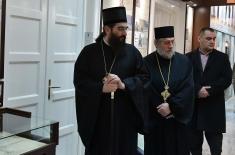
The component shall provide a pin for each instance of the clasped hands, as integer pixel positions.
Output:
(111, 83)
(203, 93)
(164, 109)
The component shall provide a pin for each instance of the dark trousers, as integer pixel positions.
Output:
(214, 141)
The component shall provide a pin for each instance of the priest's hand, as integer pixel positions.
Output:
(114, 79)
(203, 93)
(108, 87)
(164, 109)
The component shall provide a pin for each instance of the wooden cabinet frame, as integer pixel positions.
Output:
(49, 148)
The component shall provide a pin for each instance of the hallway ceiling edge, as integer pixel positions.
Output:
(210, 2)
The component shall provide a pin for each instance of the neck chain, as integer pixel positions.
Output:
(165, 94)
(105, 64)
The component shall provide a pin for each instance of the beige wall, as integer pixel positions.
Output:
(189, 30)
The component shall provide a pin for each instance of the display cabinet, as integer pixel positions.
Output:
(21, 134)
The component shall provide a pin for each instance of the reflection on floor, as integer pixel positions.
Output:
(229, 137)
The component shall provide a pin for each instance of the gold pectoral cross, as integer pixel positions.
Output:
(165, 94)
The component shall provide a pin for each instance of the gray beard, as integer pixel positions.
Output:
(164, 54)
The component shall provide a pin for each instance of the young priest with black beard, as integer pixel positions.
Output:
(171, 99)
(110, 65)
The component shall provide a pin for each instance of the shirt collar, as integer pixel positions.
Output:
(203, 53)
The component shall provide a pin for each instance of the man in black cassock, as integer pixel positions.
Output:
(110, 65)
(212, 75)
(171, 98)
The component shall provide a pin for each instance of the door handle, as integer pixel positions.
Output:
(49, 89)
(55, 87)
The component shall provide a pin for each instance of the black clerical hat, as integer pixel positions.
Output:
(114, 15)
(164, 32)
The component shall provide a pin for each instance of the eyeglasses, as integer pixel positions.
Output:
(122, 28)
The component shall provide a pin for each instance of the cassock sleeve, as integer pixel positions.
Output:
(182, 100)
(218, 86)
(136, 87)
(88, 93)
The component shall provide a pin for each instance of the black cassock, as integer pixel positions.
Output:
(93, 106)
(168, 136)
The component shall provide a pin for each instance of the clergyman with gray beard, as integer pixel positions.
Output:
(171, 96)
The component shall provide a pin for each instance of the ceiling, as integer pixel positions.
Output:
(210, 2)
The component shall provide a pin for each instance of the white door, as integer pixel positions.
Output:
(64, 44)
(43, 40)
(25, 52)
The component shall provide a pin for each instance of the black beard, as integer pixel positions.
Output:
(116, 42)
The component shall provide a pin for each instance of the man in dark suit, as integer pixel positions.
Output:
(212, 75)
(233, 78)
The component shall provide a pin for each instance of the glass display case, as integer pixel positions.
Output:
(21, 134)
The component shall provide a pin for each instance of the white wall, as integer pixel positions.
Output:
(92, 20)
(189, 29)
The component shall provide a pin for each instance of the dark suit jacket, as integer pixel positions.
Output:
(209, 113)
(233, 78)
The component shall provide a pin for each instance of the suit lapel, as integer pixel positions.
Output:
(198, 61)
